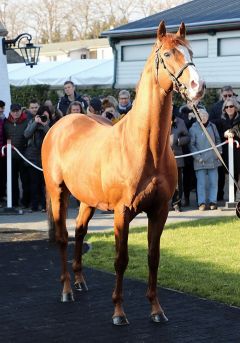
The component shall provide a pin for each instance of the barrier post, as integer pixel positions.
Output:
(231, 169)
(9, 209)
(9, 174)
(231, 197)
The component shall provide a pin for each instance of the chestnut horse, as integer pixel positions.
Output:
(128, 167)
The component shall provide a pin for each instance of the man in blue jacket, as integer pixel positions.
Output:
(70, 95)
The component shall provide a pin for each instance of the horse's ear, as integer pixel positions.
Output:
(161, 32)
(181, 31)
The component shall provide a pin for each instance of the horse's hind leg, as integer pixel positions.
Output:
(156, 222)
(59, 201)
(85, 214)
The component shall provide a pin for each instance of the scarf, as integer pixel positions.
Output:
(19, 120)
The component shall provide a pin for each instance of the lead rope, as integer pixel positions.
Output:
(183, 91)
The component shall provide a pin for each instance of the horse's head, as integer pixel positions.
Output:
(175, 55)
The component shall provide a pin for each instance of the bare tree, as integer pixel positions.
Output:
(12, 17)
(146, 8)
(79, 17)
(46, 19)
(52, 21)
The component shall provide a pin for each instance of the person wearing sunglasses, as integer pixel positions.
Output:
(215, 117)
(229, 126)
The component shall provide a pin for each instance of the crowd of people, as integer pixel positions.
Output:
(26, 128)
(202, 173)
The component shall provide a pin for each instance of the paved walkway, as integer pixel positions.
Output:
(30, 293)
(100, 221)
(31, 310)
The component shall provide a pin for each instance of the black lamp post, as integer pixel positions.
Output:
(29, 51)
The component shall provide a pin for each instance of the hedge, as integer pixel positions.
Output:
(23, 94)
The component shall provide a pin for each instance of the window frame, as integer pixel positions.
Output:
(219, 40)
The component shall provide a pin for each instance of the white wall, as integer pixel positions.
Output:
(104, 53)
(4, 82)
(217, 71)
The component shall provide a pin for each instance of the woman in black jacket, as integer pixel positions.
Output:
(179, 137)
(228, 126)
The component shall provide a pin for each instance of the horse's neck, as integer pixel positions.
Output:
(149, 121)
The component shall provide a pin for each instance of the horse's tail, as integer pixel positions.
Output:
(51, 224)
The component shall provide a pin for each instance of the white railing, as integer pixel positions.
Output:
(230, 143)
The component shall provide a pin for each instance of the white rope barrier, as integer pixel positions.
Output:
(200, 151)
(21, 155)
(180, 156)
(9, 146)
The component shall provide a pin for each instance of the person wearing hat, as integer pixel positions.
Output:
(95, 106)
(14, 127)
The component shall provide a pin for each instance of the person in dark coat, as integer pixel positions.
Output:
(3, 166)
(215, 116)
(189, 176)
(227, 125)
(178, 138)
(35, 133)
(70, 95)
(14, 127)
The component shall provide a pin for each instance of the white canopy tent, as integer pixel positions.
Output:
(89, 72)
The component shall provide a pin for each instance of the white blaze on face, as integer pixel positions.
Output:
(195, 83)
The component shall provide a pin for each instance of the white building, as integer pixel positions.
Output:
(213, 29)
(4, 82)
(83, 49)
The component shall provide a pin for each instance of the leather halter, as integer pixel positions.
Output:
(175, 79)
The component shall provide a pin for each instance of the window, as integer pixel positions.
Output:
(199, 47)
(229, 46)
(131, 53)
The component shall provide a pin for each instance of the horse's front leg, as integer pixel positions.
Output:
(156, 222)
(121, 227)
(84, 215)
(58, 208)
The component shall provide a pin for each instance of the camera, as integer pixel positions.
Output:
(44, 118)
(109, 115)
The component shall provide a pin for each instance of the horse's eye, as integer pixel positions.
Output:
(166, 54)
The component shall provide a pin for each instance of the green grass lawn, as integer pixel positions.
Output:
(200, 257)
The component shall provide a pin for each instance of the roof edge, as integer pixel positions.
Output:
(191, 27)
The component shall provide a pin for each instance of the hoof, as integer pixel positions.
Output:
(158, 318)
(81, 286)
(120, 320)
(67, 297)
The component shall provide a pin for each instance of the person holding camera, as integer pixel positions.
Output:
(35, 133)
(109, 110)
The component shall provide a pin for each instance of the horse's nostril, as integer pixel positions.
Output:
(194, 84)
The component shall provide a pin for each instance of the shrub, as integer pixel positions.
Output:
(23, 94)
